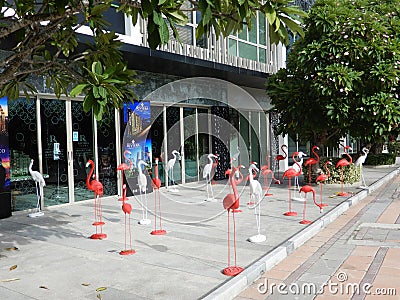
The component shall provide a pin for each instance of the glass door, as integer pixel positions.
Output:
(190, 143)
(82, 149)
(55, 152)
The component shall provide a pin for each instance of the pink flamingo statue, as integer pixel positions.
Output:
(341, 163)
(238, 177)
(312, 161)
(230, 203)
(124, 167)
(265, 170)
(322, 178)
(127, 209)
(280, 157)
(306, 189)
(96, 186)
(157, 184)
(290, 173)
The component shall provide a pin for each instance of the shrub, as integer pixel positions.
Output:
(394, 147)
(380, 159)
(351, 174)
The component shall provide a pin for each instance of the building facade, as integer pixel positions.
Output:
(205, 96)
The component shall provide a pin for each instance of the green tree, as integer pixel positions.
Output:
(343, 76)
(40, 38)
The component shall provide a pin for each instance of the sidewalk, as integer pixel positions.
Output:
(55, 259)
(355, 257)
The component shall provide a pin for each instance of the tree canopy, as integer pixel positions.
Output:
(343, 76)
(41, 39)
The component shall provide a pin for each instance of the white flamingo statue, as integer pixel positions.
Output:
(207, 176)
(170, 169)
(142, 183)
(39, 184)
(300, 155)
(359, 162)
(256, 194)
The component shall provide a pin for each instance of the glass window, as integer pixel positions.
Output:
(253, 31)
(262, 55)
(116, 20)
(157, 137)
(232, 47)
(255, 139)
(262, 31)
(244, 132)
(106, 151)
(23, 147)
(83, 149)
(247, 51)
(190, 144)
(174, 142)
(243, 34)
(204, 137)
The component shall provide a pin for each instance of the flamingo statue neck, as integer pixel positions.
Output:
(91, 163)
(297, 163)
(307, 189)
(156, 168)
(234, 182)
(347, 154)
(139, 166)
(315, 153)
(328, 172)
(127, 158)
(283, 147)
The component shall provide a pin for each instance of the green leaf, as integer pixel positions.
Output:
(78, 89)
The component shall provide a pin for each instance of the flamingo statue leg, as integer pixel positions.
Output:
(235, 269)
(320, 193)
(342, 193)
(127, 209)
(304, 221)
(306, 189)
(98, 220)
(290, 213)
(157, 231)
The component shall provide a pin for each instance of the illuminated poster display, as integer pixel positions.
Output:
(136, 141)
(5, 196)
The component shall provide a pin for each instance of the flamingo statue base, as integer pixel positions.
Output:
(290, 214)
(211, 200)
(232, 270)
(127, 252)
(258, 238)
(172, 189)
(305, 222)
(343, 194)
(158, 232)
(98, 236)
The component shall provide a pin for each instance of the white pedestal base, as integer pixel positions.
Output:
(211, 200)
(36, 214)
(144, 221)
(259, 238)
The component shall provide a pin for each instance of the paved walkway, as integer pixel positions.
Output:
(51, 257)
(354, 257)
